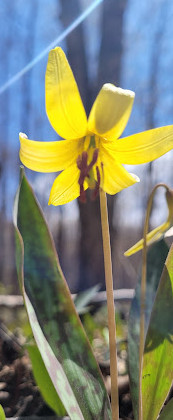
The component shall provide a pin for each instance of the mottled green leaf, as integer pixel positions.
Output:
(57, 329)
(156, 257)
(167, 412)
(157, 375)
(2, 414)
(44, 382)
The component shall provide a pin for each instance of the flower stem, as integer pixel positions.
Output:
(110, 306)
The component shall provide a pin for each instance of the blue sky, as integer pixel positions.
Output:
(147, 41)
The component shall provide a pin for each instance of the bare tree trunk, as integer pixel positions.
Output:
(76, 48)
(110, 71)
(152, 87)
(91, 270)
(91, 252)
(111, 44)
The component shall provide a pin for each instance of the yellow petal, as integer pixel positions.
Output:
(114, 176)
(152, 237)
(157, 233)
(63, 102)
(50, 156)
(65, 187)
(111, 111)
(143, 147)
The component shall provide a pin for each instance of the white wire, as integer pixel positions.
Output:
(56, 41)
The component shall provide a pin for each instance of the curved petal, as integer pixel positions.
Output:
(153, 236)
(114, 176)
(111, 111)
(65, 187)
(157, 233)
(63, 102)
(143, 147)
(50, 156)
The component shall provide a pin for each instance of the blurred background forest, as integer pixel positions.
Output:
(126, 42)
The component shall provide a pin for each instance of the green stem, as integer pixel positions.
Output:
(110, 306)
(143, 295)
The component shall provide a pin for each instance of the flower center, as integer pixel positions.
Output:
(85, 163)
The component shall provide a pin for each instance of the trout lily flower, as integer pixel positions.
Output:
(91, 154)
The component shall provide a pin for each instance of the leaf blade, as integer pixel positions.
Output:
(2, 414)
(157, 374)
(55, 323)
(44, 382)
(156, 256)
(166, 414)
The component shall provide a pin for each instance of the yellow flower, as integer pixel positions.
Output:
(91, 156)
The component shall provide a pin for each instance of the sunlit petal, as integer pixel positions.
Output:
(50, 156)
(63, 102)
(111, 111)
(157, 233)
(153, 236)
(65, 187)
(114, 176)
(143, 147)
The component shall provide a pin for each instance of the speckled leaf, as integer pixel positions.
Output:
(167, 412)
(156, 257)
(157, 375)
(56, 326)
(44, 382)
(2, 414)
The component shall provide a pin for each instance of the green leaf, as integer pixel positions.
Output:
(157, 375)
(2, 414)
(44, 382)
(156, 257)
(166, 414)
(56, 327)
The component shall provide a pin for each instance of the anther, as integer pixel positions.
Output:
(84, 160)
(85, 172)
(97, 187)
(94, 159)
(98, 175)
(79, 161)
(82, 166)
(82, 197)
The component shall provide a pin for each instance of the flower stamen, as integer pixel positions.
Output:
(85, 172)
(97, 187)
(94, 159)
